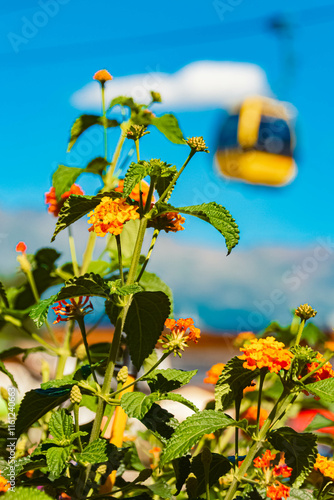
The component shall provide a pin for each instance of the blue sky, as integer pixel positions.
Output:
(51, 49)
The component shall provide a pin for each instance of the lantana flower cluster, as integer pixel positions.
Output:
(325, 466)
(266, 353)
(111, 215)
(56, 205)
(181, 332)
(275, 489)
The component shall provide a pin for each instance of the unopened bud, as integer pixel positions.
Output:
(102, 469)
(192, 485)
(75, 396)
(305, 312)
(122, 375)
(80, 352)
(4, 393)
(197, 144)
(24, 263)
(135, 132)
(156, 96)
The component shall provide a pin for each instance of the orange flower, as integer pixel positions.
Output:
(155, 451)
(111, 215)
(278, 491)
(182, 331)
(72, 310)
(135, 193)
(243, 338)
(4, 484)
(170, 221)
(102, 76)
(55, 205)
(326, 371)
(21, 247)
(251, 415)
(325, 466)
(213, 373)
(282, 469)
(264, 462)
(329, 345)
(266, 353)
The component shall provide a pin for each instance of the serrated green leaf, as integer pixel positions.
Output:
(160, 422)
(96, 166)
(324, 389)
(4, 370)
(136, 172)
(124, 101)
(181, 468)
(115, 287)
(168, 380)
(39, 312)
(61, 425)
(190, 431)
(3, 295)
(16, 351)
(216, 215)
(144, 323)
(136, 404)
(76, 207)
(300, 451)
(161, 174)
(161, 488)
(22, 465)
(22, 493)
(89, 284)
(94, 453)
(319, 422)
(219, 466)
(172, 396)
(66, 381)
(56, 459)
(297, 494)
(83, 123)
(169, 126)
(63, 178)
(231, 382)
(33, 406)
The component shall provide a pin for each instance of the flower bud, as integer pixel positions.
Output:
(102, 76)
(156, 96)
(135, 132)
(75, 396)
(197, 144)
(4, 393)
(305, 312)
(80, 352)
(102, 469)
(122, 375)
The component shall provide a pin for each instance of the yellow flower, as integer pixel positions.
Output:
(213, 373)
(325, 466)
(111, 215)
(243, 338)
(266, 353)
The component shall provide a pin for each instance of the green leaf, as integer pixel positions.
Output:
(3, 295)
(56, 459)
(182, 470)
(150, 282)
(94, 453)
(124, 101)
(144, 323)
(169, 126)
(136, 173)
(22, 493)
(172, 396)
(83, 123)
(96, 166)
(33, 406)
(161, 174)
(76, 207)
(160, 422)
(218, 216)
(168, 380)
(39, 312)
(16, 351)
(22, 465)
(300, 451)
(219, 466)
(115, 287)
(161, 488)
(190, 431)
(136, 404)
(324, 389)
(319, 422)
(232, 381)
(89, 284)
(61, 425)
(297, 494)
(4, 370)
(63, 178)
(66, 381)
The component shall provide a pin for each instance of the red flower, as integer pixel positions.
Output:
(21, 247)
(55, 205)
(278, 491)
(72, 309)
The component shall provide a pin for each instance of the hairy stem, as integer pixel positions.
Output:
(153, 242)
(73, 252)
(119, 253)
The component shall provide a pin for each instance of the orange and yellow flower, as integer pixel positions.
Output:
(102, 76)
(155, 452)
(213, 373)
(325, 466)
(4, 484)
(251, 416)
(171, 221)
(55, 205)
(326, 371)
(278, 491)
(266, 353)
(181, 331)
(111, 215)
(264, 461)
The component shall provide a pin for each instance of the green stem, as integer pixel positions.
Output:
(92, 328)
(320, 365)
(76, 423)
(112, 410)
(119, 252)
(176, 176)
(239, 474)
(73, 253)
(236, 432)
(65, 351)
(82, 327)
(108, 181)
(153, 242)
(44, 343)
(300, 331)
(87, 258)
(105, 128)
(262, 377)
